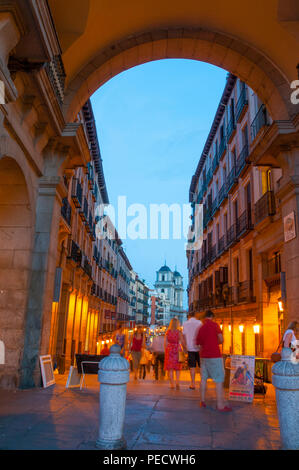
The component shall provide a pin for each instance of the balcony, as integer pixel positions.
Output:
(242, 105)
(87, 268)
(84, 213)
(222, 148)
(242, 160)
(77, 193)
(244, 292)
(74, 252)
(214, 206)
(221, 245)
(272, 271)
(260, 121)
(231, 179)
(90, 177)
(215, 163)
(231, 235)
(265, 207)
(230, 130)
(222, 194)
(244, 224)
(213, 253)
(93, 290)
(66, 211)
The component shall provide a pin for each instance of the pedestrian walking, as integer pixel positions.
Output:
(105, 351)
(209, 337)
(138, 342)
(119, 338)
(173, 340)
(157, 349)
(289, 337)
(145, 356)
(190, 330)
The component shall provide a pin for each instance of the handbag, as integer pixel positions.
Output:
(181, 356)
(276, 356)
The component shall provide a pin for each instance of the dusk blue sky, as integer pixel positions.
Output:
(152, 123)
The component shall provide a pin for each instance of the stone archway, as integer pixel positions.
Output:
(239, 58)
(15, 264)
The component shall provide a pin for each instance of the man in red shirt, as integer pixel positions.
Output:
(209, 338)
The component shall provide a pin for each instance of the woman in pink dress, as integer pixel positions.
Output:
(173, 339)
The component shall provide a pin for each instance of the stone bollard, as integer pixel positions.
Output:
(113, 376)
(285, 378)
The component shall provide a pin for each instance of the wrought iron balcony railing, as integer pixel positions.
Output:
(74, 252)
(260, 120)
(76, 193)
(242, 160)
(231, 127)
(66, 211)
(231, 179)
(265, 207)
(242, 104)
(222, 148)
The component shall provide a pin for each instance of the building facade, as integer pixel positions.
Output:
(239, 271)
(142, 302)
(47, 78)
(123, 288)
(160, 309)
(170, 284)
(133, 298)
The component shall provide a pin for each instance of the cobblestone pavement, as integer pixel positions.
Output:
(157, 418)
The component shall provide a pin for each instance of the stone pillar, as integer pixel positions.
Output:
(113, 376)
(288, 196)
(285, 378)
(40, 293)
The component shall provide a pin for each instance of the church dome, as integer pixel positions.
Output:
(177, 274)
(164, 269)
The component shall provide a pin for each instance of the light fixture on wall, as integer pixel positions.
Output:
(241, 328)
(221, 326)
(229, 328)
(280, 305)
(256, 329)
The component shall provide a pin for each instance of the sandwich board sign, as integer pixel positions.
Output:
(241, 386)
(47, 371)
(74, 378)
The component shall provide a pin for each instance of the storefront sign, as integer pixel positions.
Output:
(241, 387)
(289, 226)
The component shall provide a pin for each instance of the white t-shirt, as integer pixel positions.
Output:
(293, 337)
(190, 330)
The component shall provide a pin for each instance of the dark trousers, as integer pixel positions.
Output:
(159, 359)
(142, 371)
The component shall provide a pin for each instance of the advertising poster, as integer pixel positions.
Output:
(241, 386)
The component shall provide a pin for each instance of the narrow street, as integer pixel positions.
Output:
(157, 418)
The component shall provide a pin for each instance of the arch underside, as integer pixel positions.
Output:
(216, 48)
(15, 261)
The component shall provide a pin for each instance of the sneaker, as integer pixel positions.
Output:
(202, 404)
(225, 409)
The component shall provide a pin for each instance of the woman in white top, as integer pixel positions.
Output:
(289, 336)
